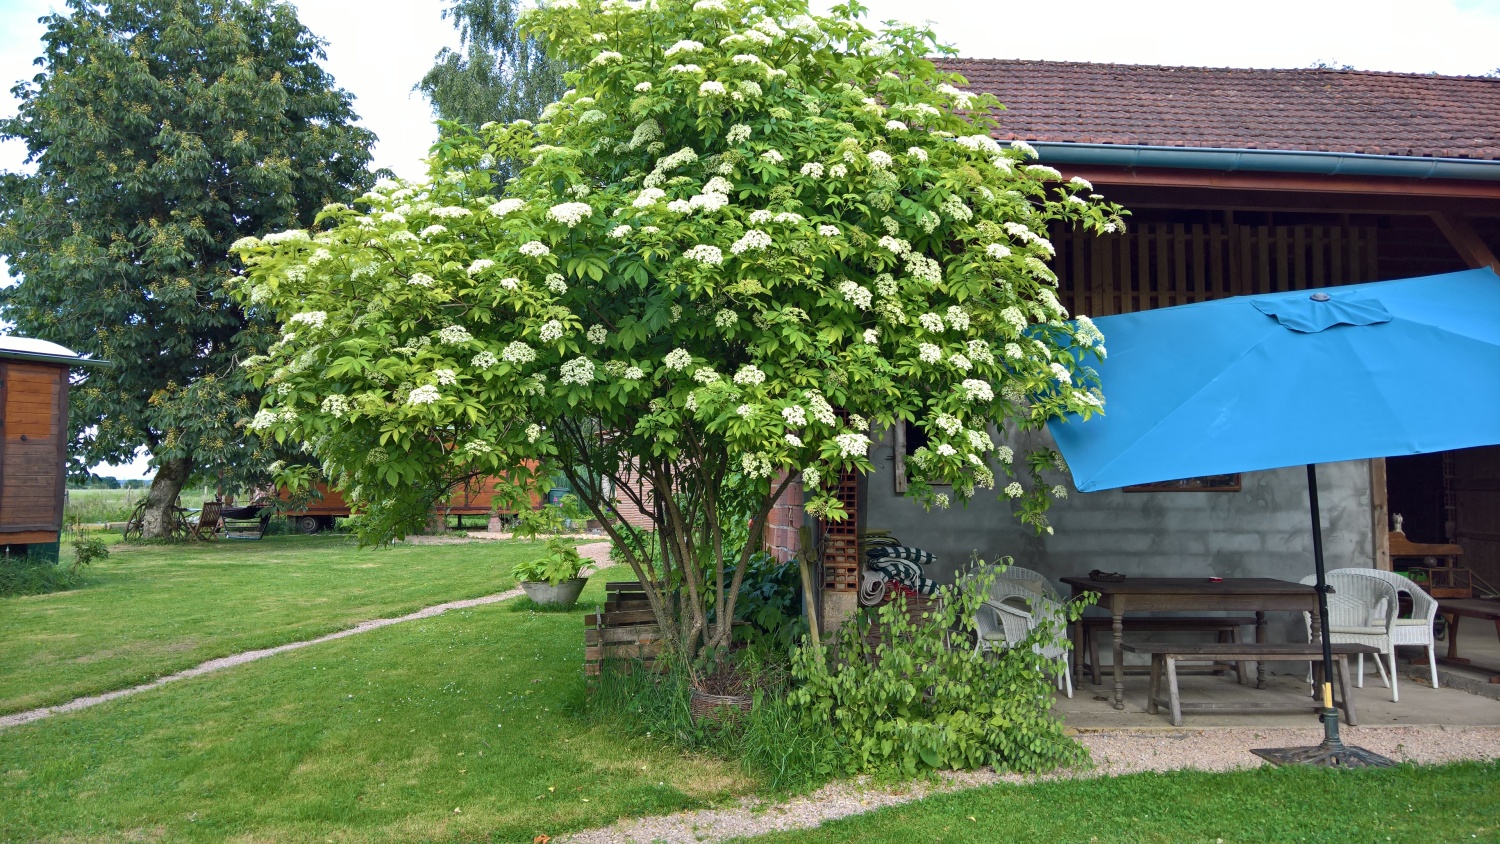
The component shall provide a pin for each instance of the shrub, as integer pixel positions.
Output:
(919, 697)
(561, 562)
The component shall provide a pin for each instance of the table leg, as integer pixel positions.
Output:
(1117, 607)
(1260, 639)
(1453, 635)
(1173, 698)
(1342, 666)
(1078, 649)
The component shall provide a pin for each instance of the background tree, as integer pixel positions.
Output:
(496, 74)
(744, 239)
(161, 131)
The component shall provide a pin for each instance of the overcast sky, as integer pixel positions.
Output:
(378, 49)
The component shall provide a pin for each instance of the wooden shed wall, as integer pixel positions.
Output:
(33, 451)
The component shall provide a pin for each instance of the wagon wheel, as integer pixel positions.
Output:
(136, 523)
(309, 525)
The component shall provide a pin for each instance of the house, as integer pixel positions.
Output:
(1238, 182)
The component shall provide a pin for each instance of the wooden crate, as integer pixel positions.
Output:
(626, 630)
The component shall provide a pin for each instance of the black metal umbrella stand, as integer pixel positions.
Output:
(1332, 753)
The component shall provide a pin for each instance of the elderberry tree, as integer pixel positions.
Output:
(745, 237)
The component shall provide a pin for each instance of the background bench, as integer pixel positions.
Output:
(1226, 628)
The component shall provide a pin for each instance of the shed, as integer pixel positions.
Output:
(33, 443)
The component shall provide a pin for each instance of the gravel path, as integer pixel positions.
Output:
(596, 552)
(1114, 753)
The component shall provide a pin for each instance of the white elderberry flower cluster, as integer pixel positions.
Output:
(872, 335)
(749, 376)
(712, 89)
(773, 156)
(756, 465)
(445, 377)
(312, 319)
(958, 361)
(946, 450)
(1005, 454)
(684, 46)
(1088, 333)
(855, 294)
(336, 406)
(1017, 321)
(885, 285)
(812, 169)
(510, 283)
(642, 87)
(1024, 148)
(434, 230)
(556, 283)
(425, 394)
(917, 152)
(1042, 171)
(958, 318)
(453, 335)
(895, 126)
(979, 440)
(485, 360)
(633, 373)
(263, 420)
(606, 57)
(288, 236)
(710, 256)
(822, 410)
(1061, 373)
(976, 390)
(249, 242)
(745, 411)
(596, 335)
(677, 360)
(979, 351)
(477, 447)
(551, 331)
(894, 244)
(725, 318)
(737, 134)
(929, 353)
(480, 266)
(533, 432)
(1014, 490)
(954, 209)
(507, 206)
(620, 232)
(705, 375)
(852, 445)
(925, 268)
(421, 280)
(570, 214)
(932, 322)
(534, 249)
(829, 231)
(753, 240)
(998, 251)
(709, 201)
(879, 159)
(838, 171)
(450, 212)
(648, 197)
(579, 370)
(794, 415)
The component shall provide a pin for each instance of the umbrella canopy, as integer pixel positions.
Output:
(1263, 382)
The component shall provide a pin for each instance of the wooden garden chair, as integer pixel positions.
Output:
(207, 527)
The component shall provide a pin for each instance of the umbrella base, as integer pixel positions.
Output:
(1330, 754)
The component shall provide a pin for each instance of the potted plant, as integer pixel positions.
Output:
(553, 578)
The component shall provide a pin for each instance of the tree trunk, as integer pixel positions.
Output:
(160, 501)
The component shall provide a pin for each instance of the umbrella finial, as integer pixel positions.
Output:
(1320, 296)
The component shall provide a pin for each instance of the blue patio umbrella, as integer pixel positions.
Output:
(1298, 378)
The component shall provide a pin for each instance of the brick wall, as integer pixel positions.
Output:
(784, 522)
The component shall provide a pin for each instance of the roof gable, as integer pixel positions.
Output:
(1299, 110)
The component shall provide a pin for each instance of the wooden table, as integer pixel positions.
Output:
(1455, 608)
(1144, 594)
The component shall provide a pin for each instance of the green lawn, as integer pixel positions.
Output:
(151, 610)
(461, 727)
(1406, 804)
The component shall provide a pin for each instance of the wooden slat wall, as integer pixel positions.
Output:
(31, 456)
(1158, 265)
(841, 559)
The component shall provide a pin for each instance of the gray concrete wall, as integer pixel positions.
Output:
(1262, 531)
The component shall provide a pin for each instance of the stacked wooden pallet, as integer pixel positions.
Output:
(625, 631)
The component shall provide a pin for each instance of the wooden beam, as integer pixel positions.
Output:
(1380, 522)
(1465, 241)
(1284, 182)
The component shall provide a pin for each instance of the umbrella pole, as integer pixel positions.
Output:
(1331, 753)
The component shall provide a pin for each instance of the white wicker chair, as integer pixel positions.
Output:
(1009, 616)
(1359, 614)
(1417, 630)
(1033, 580)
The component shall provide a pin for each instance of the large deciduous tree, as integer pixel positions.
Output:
(744, 238)
(497, 73)
(161, 131)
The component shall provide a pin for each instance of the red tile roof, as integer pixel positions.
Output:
(1308, 110)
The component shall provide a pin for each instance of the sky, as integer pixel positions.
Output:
(379, 49)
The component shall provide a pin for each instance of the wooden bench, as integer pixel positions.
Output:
(1225, 627)
(1166, 655)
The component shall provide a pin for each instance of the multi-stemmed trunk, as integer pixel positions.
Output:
(161, 499)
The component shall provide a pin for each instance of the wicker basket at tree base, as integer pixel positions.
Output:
(721, 709)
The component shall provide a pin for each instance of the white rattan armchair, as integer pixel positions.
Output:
(1361, 612)
(1417, 630)
(1009, 616)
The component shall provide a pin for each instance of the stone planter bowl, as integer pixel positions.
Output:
(563, 593)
